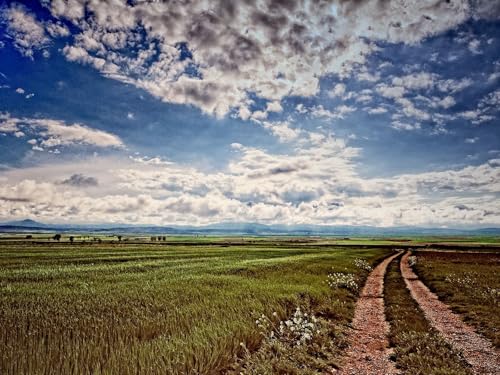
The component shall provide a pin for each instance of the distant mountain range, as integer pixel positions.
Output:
(251, 229)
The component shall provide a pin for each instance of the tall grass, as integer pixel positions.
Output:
(129, 309)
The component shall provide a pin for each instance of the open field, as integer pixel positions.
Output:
(189, 305)
(469, 283)
(158, 309)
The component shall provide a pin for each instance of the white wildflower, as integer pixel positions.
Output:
(362, 264)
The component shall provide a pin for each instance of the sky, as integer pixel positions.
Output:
(380, 113)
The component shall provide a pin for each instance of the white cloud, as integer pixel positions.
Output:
(416, 81)
(486, 107)
(390, 91)
(409, 109)
(474, 46)
(451, 85)
(446, 102)
(366, 76)
(364, 98)
(57, 30)
(27, 33)
(471, 140)
(282, 130)
(377, 110)
(19, 90)
(301, 42)
(337, 91)
(399, 125)
(491, 100)
(338, 112)
(300, 108)
(274, 107)
(56, 133)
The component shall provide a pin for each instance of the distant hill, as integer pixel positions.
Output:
(252, 229)
(28, 223)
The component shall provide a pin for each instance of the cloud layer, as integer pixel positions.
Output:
(317, 184)
(326, 94)
(180, 51)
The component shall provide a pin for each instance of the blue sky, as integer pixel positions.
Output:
(359, 113)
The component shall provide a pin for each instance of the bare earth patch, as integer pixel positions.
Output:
(477, 351)
(368, 351)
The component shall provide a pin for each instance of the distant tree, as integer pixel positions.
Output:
(71, 239)
(57, 237)
(99, 240)
(164, 238)
(29, 237)
(153, 238)
(119, 238)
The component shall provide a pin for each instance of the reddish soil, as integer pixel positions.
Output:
(477, 351)
(368, 351)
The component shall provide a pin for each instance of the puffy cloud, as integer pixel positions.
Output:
(57, 29)
(282, 130)
(27, 33)
(390, 91)
(274, 107)
(272, 49)
(57, 133)
(421, 80)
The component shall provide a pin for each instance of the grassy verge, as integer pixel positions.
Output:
(128, 309)
(469, 283)
(418, 349)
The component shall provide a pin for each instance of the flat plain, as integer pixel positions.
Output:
(211, 305)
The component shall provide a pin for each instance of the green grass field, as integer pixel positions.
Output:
(176, 309)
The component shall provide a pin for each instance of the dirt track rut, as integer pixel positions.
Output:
(368, 351)
(477, 351)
